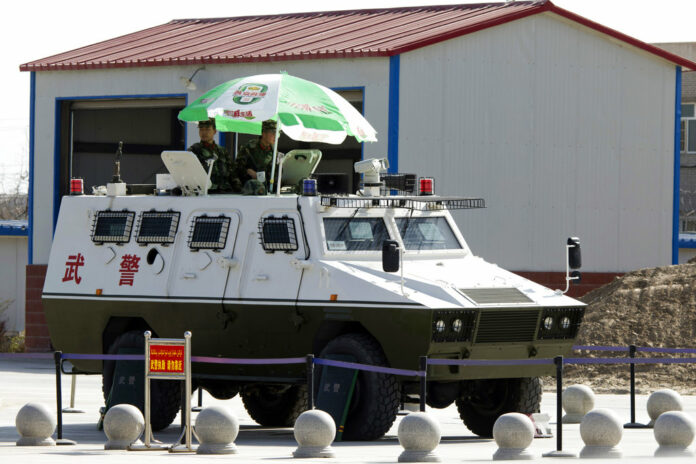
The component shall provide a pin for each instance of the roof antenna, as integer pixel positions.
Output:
(117, 164)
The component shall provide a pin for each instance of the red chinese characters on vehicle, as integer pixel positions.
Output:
(167, 359)
(129, 267)
(72, 266)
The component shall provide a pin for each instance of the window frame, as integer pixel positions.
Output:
(173, 228)
(121, 239)
(222, 238)
(684, 129)
(286, 247)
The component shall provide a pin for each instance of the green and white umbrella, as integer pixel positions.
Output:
(305, 111)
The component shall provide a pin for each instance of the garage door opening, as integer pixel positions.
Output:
(92, 129)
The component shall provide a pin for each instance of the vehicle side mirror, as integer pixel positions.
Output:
(574, 254)
(576, 277)
(390, 255)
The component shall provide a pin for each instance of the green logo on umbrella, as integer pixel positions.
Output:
(249, 93)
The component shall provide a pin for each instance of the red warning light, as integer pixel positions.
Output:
(427, 186)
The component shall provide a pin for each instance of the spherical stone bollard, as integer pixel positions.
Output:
(674, 431)
(217, 429)
(513, 433)
(578, 400)
(419, 434)
(662, 401)
(35, 425)
(314, 432)
(601, 430)
(123, 425)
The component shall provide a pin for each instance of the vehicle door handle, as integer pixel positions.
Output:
(189, 275)
(261, 277)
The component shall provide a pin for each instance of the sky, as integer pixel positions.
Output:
(39, 29)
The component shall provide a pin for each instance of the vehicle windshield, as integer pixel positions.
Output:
(355, 234)
(431, 233)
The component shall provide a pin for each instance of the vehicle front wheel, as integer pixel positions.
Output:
(165, 395)
(375, 400)
(483, 401)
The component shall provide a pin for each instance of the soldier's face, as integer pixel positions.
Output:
(206, 133)
(268, 137)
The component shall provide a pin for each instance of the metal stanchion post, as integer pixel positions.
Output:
(633, 424)
(423, 381)
(71, 409)
(558, 452)
(199, 408)
(57, 356)
(310, 381)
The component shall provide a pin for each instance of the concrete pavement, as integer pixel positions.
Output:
(33, 380)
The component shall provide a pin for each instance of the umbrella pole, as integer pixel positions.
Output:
(275, 156)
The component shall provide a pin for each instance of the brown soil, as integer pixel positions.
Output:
(650, 308)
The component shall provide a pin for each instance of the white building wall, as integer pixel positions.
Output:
(564, 132)
(13, 256)
(370, 73)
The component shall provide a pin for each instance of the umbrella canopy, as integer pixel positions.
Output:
(305, 111)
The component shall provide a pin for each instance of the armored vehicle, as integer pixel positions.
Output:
(285, 275)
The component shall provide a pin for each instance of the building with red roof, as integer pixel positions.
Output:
(565, 126)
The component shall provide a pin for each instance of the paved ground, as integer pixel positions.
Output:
(21, 382)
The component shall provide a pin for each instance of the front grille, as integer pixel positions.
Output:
(507, 326)
(497, 296)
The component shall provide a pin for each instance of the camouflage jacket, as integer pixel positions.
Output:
(252, 156)
(223, 176)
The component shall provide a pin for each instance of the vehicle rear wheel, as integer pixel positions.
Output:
(165, 396)
(275, 405)
(483, 401)
(375, 400)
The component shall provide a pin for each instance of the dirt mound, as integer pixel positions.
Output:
(653, 307)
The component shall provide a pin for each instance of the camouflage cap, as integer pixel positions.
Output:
(268, 125)
(208, 123)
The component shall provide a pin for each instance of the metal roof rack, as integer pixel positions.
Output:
(418, 203)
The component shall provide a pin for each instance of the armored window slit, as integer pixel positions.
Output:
(209, 233)
(157, 227)
(112, 227)
(278, 234)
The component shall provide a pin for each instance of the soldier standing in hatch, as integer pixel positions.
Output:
(254, 160)
(223, 177)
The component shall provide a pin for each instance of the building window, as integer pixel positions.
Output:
(688, 128)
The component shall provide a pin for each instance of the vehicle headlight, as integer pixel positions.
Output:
(457, 325)
(548, 322)
(440, 326)
(565, 323)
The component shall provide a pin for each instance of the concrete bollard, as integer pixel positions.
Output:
(601, 430)
(674, 431)
(123, 425)
(217, 429)
(663, 401)
(578, 400)
(314, 432)
(419, 434)
(513, 433)
(35, 425)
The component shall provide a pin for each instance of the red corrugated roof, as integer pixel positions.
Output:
(334, 34)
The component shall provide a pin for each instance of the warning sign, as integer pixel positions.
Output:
(167, 359)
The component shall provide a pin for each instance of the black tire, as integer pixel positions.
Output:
(220, 389)
(375, 402)
(165, 395)
(275, 405)
(483, 401)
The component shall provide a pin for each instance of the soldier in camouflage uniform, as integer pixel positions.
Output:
(254, 157)
(223, 177)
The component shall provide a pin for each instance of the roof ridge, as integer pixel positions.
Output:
(461, 6)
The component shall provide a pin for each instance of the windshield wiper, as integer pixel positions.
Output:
(343, 228)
